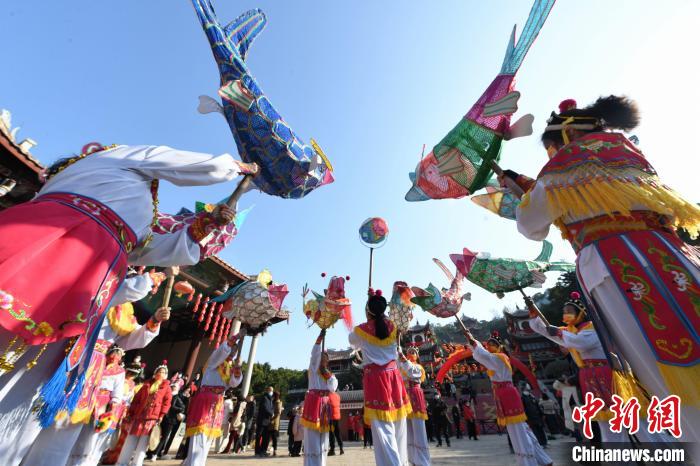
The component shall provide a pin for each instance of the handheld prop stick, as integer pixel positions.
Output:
(509, 182)
(172, 272)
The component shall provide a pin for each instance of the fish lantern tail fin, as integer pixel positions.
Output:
(516, 52)
(546, 252)
(243, 30)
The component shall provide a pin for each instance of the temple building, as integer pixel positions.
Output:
(528, 346)
(20, 172)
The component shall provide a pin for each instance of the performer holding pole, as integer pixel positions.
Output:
(642, 280)
(386, 402)
(206, 410)
(509, 405)
(86, 238)
(316, 415)
(416, 436)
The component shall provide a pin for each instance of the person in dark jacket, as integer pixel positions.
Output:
(438, 414)
(457, 421)
(171, 422)
(535, 418)
(266, 411)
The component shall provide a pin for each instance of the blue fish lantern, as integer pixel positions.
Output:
(289, 168)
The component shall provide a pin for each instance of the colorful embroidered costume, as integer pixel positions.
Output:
(206, 409)
(317, 411)
(386, 402)
(416, 436)
(509, 407)
(644, 281)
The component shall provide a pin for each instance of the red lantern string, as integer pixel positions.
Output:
(206, 309)
(195, 308)
(224, 334)
(215, 326)
(212, 311)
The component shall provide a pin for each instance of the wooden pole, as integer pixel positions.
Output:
(464, 327)
(240, 189)
(510, 183)
(193, 353)
(249, 369)
(168, 290)
(371, 265)
(539, 313)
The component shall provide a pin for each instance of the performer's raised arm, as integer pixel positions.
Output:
(186, 168)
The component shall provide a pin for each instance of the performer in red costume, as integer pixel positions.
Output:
(386, 402)
(150, 404)
(316, 414)
(416, 438)
(509, 405)
(642, 281)
(206, 409)
(63, 256)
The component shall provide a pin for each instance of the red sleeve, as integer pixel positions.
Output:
(138, 399)
(167, 400)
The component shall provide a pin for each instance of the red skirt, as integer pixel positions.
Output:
(596, 377)
(206, 412)
(419, 410)
(317, 411)
(385, 394)
(509, 405)
(62, 257)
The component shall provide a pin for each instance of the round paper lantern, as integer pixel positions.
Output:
(374, 231)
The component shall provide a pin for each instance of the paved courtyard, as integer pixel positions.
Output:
(490, 450)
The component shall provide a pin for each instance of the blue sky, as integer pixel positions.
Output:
(371, 82)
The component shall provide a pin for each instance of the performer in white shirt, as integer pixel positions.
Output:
(509, 405)
(72, 242)
(416, 437)
(74, 434)
(316, 415)
(386, 402)
(205, 413)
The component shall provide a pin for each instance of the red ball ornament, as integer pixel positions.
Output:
(378, 293)
(323, 274)
(347, 278)
(575, 295)
(567, 104)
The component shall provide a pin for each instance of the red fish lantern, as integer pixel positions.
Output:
(183, 288)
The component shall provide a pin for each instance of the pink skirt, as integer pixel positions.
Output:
(62, 257)
(206, 412)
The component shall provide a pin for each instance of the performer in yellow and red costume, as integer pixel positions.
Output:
(509, 406)
(317, 412)
(206, 408)
(642, 280)
(386, 402)
(416, 437)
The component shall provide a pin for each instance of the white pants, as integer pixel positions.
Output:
(89, 447)
(225, 429)
(197, 450)
(528, 451)
(417, 442)
(134, 447)
(19, 389)
(390, 445)
(632, 344)
(315, 447)
(53, 446)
